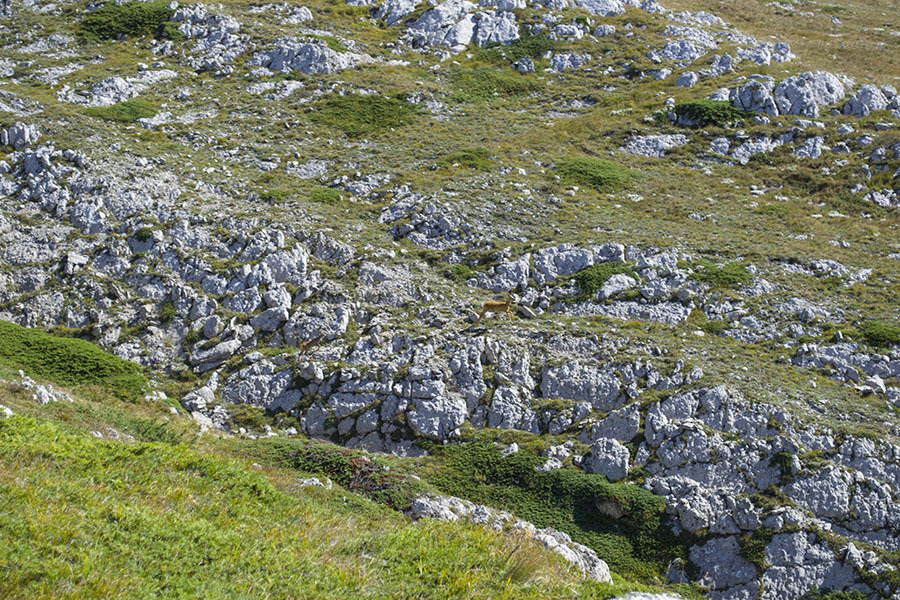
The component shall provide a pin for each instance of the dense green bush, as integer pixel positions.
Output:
(68, 361)
(880, 335)
(363, 114)
(484, 84)
(527, 46)
(595, 173)
(590, 280)
(638, 542)
(703, 113)
(124, 112)
(111, 21)
(731, 275)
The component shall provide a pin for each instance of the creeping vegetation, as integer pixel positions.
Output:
(590, 280)
(131, 19)
(880, 335)
(477, 158)
(68, 361)
(624, 523)
(484, 84)
(595, 173)
(731, 275)
(358, 115)
(124, 112)
(705, 113)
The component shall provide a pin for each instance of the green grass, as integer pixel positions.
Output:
(638, 545)
(358, 115)
(880, 335)
(131, 19)
(476, 158)
(88, 518)
(68, 361)
(326, 196)
(704, 113)
(753, 547)
(460, 273)
(124, 112)
(595, 173)
(590, 280)
(731, 275)
(484, 84)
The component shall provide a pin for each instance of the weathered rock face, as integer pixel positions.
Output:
(306, 56)
(867, 100)
(654, 145)
(804, 94)
(609, 458)
(755, 96)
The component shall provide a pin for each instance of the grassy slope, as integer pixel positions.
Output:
(162, 512)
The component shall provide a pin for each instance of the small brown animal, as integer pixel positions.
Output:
(497, 307)
(308, 345)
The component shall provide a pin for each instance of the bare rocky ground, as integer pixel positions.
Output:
(717, 323)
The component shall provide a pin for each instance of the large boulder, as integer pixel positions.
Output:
(867, 100)
(610, 458)
(803, 94)
(755, 96)
(574, 381)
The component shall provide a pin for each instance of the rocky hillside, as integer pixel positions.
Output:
(288, 218)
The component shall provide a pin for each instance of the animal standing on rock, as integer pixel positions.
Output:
(498, 307)
(309, 345)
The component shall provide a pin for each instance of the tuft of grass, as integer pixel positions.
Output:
(124, 112)
(484, 84)
(332, 42)
(460, 273)
(880, 335)
(131, 19)
(731, 275)
(595, 173)
(705, 113)
(143, 234)
(358, 114)
(590, 280)
(68, 361)
(753, 547)
(476, 158)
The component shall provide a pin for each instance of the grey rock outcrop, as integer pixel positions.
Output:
(306, 56)
(609, 458)
(804, 94)
(866, 100)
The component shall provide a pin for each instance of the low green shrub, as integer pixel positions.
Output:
(624, 523)
(112, 21)
(595, 173)
(124, 112)
(753, 547)
(527, 46)
(880, 335)
(590, 280)
(705, 113)
(460, 273)
(731, 275)
(68, 361)
(326, 196)
(484, 84)
(819, 594)
(362, 114)
(143, 234)
(477, 158)
(714, 326)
